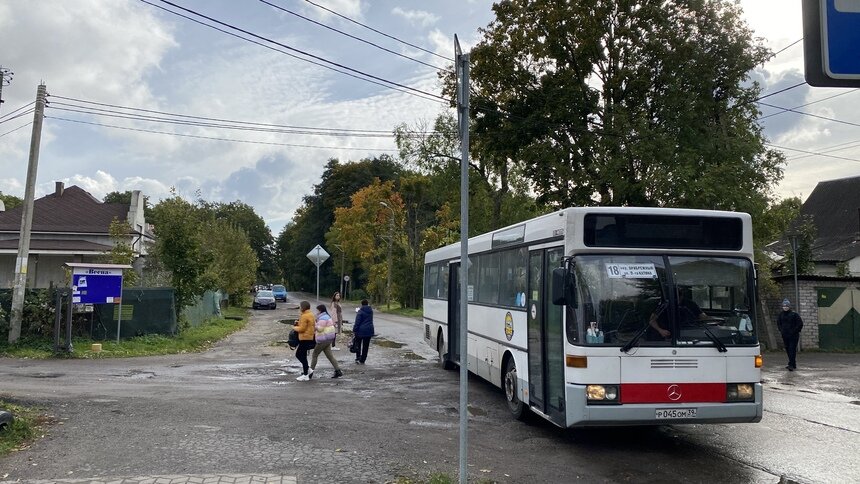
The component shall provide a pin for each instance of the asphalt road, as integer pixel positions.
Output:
(237, 410)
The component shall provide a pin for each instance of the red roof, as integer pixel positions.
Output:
(74, 211)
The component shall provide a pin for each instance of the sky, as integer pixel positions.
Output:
(130, 53)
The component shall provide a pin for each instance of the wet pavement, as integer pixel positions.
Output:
(237, 411)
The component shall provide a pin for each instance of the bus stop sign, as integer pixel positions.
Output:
(831, 34)
(96, 285)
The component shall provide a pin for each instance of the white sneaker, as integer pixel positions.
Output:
(335, 348)
(303, 378)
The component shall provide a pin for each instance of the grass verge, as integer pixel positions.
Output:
(26, 427)
(189, 340)
(397, 309)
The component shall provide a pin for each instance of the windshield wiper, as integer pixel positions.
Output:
(719, 344)
(635, 338)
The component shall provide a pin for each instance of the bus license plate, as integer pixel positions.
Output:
(670, 413)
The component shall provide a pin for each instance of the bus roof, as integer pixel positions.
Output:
(555, 225)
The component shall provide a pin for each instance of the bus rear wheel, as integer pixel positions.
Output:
(512, 395)
(444, 363)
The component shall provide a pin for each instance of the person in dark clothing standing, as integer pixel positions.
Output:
(362, 331)
(789, 324)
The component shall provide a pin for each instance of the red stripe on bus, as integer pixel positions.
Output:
(672, 392)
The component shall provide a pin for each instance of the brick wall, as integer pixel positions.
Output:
(807, 307)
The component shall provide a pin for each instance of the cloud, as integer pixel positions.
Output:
(347, 8)
(416, 17)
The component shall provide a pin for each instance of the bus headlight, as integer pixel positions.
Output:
(602, 393)
(740, 392)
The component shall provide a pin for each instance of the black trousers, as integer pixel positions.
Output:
(363, 344)
(302, 354)
(790, 343)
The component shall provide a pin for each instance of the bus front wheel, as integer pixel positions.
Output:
(512, 395)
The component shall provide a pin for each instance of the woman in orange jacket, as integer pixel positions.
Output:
(305, 327)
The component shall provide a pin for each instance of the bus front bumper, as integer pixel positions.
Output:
(579, 414)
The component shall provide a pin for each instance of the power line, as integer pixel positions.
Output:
(847, 145)
(777, 92)
(218, 120)
(285, 52)
(29, 111)
(780, 51)
(785, 110)
(812, 152)
(156, 119)
(16, 110)
(378, 31)
(849, 123)
(16, 129)
(232, 140)
(349, 35)
(308, 54)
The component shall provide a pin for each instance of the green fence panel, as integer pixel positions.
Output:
(144, 311)
(204, 308)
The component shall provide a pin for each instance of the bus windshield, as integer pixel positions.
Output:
(663, 301)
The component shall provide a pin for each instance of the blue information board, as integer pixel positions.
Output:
(840, 38)
(96, 286)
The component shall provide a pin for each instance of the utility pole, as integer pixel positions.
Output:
(461, 63)
(390, 240)
(5, 79)
(27, 219)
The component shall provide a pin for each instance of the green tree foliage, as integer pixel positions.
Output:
(10, 201)
(498, 194)
(125, 199)
(769, 230)
(122, 251)
(803, 229)
(180, 247)
(628, 102)
(314, 218)
(233, 266)
(243, 216)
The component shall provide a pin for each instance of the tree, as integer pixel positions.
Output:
(233, 266)
(125, 199)
(629, 102)
(180, 247)
(10, 201)
(314, 218)
(122, 251)
(242, 216)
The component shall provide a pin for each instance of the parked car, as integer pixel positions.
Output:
(265, 299)
(280, 292)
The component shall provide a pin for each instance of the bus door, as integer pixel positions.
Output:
(454, 313)
(545, 337)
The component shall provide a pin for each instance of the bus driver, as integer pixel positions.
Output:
(688, 310)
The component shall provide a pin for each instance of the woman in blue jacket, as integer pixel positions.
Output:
(362, 331)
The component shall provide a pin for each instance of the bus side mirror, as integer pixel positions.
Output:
(562, 287)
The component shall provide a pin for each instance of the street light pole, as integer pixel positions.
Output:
(390, 239)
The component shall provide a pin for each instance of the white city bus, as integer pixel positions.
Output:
(608, 316)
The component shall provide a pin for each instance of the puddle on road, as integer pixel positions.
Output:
(46, 375)
(411, 355)
(387, 343)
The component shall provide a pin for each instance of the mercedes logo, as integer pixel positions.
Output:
(674, 392)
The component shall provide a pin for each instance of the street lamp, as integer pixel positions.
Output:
(390, 239)
(342, 258)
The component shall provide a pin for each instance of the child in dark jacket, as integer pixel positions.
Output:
(363, 331)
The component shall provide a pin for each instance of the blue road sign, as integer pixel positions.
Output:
(96, 286)
(840, 38)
